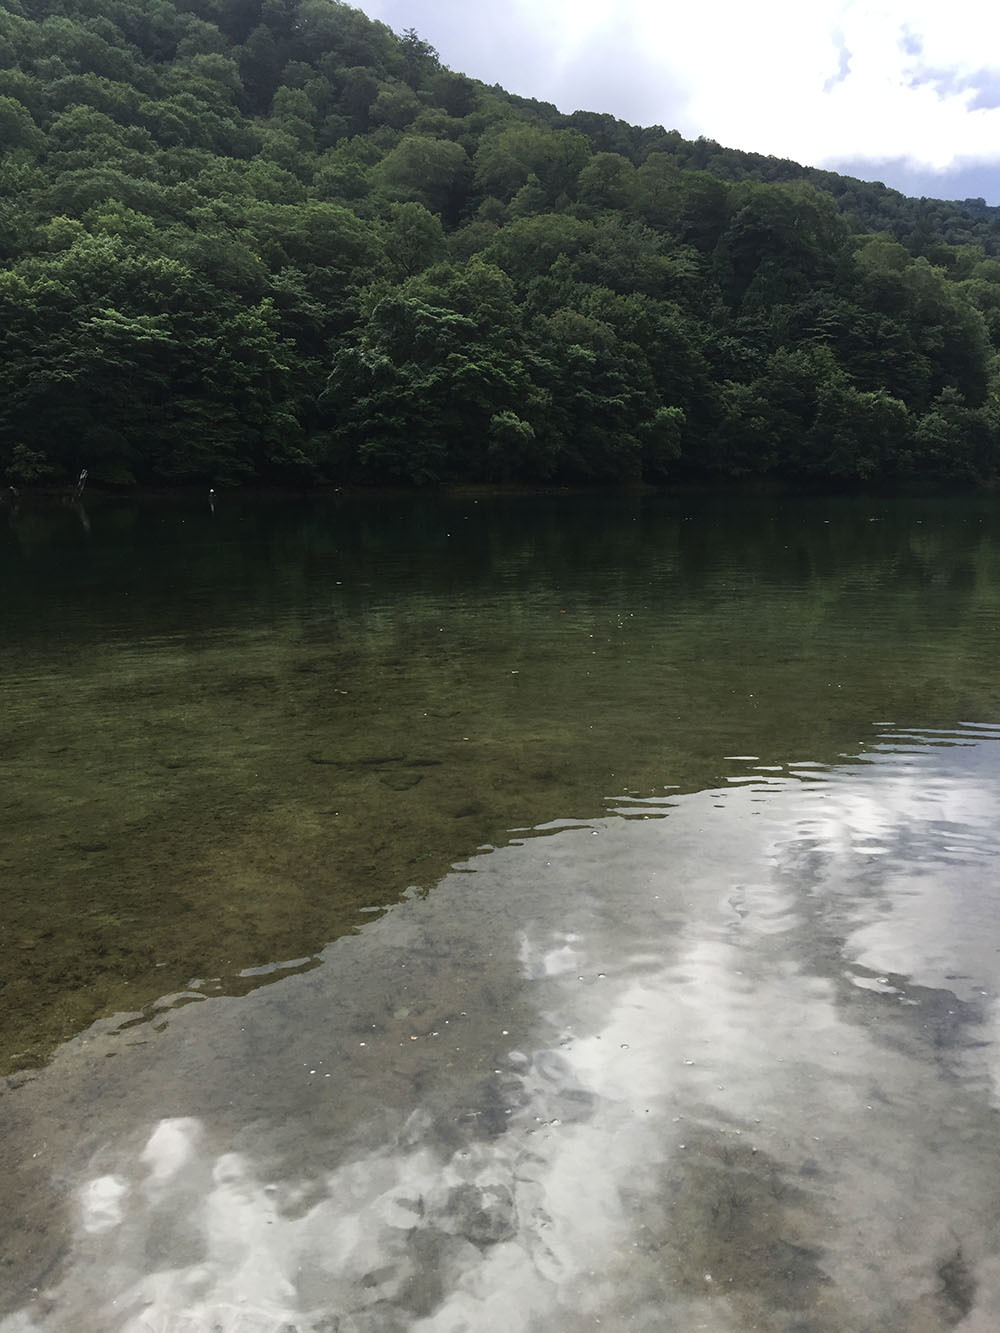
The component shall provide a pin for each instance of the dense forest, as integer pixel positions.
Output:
(270, 240)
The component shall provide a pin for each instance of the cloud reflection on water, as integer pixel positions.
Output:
(720, 1069)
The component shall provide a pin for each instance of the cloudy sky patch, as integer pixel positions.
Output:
(900, 90)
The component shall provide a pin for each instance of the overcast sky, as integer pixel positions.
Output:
(904, 91)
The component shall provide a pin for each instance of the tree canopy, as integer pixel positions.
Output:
(271, 240)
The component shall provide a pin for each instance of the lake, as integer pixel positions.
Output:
(500, 913)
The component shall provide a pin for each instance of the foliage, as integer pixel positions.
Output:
(271, 240)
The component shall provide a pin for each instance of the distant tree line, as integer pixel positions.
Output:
(270, 240)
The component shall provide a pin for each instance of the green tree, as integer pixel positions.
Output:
(414, 239)
(530, 246)
(955, 442)
(607, 181)
(782, 241)
(855, 436)
(421, 396)
(554, 158)
(18, 129)
(424, 171)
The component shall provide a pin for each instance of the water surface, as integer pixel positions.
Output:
(521, 914)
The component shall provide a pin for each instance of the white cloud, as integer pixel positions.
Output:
(909, 82)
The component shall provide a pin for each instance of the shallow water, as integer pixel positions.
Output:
(618, 950)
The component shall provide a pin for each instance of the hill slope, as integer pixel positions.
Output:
(267, 240)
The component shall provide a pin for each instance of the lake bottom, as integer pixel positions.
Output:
(719, 1061)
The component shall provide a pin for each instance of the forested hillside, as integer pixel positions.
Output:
(261, 240)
